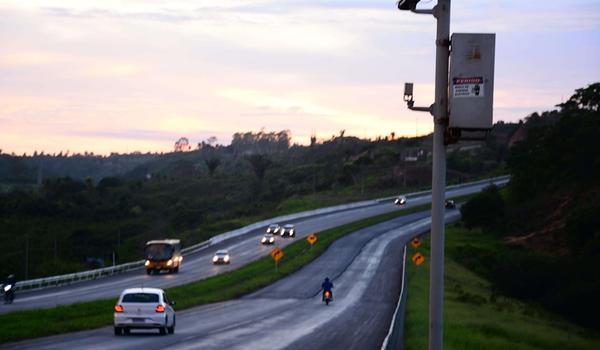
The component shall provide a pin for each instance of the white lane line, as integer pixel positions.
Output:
(391, 330)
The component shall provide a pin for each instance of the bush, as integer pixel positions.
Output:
(486, 210)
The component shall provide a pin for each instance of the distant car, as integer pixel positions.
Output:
(288, 230)
(273, 228)
(450, 204)
(144, 308)
(268, 238)
(400, 201)
(221, 257)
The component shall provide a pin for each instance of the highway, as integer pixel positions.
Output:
(197, 266)
(366, 268)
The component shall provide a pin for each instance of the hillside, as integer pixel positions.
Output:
(68, 224)
(549, 216)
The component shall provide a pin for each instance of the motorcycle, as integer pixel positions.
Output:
(327, 297)
(9, 293)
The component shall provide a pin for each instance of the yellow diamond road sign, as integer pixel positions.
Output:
(277, 254)
(415, 243)
(312, 239)
(418, 258)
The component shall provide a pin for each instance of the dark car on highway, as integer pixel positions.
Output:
(288, 230)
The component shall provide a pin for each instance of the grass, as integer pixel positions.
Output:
(29, 324)
(477, 318)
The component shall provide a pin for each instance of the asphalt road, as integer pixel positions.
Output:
(197, 266)
(366, 268)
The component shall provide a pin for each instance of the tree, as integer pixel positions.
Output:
(585, 98)
(212, 164)
(260, 163)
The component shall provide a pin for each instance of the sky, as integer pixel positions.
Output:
(122, 76)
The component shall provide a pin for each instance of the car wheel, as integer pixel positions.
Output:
(171, 329)
(176, 270)
(149, 272)
(118, 331)
(127, 331)
(162, 330)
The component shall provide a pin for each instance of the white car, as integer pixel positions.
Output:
(401, 201)
(221, 257)
(287, 230)
(268, 238)
(144, 308)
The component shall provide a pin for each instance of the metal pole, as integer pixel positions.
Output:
(440, 113)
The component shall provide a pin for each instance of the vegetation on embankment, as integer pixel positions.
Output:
(476, 315)
(82, 213)
(233, 284)
(547, 221)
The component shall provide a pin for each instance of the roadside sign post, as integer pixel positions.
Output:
(311, 239)
(277, 254)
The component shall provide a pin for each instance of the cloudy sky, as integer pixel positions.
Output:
(120, 76)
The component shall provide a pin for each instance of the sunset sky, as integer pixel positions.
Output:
(121, 76)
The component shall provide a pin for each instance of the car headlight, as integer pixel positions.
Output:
(271, 240)
(147, 263)
(170, 262)
(226, 258)
(263, 240)
(215, 258)
(7, 287)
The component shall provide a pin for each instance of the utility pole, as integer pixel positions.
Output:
(439, 110)
(440, 120)
(463, 110)
(438, 190)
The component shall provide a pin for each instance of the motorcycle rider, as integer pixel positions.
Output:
(327, 287)
(10, 294)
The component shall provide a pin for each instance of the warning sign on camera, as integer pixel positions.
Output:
(467, 87)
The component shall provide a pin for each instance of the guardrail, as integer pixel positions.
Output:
(112, 270)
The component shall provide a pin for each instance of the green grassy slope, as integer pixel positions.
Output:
(477, 318)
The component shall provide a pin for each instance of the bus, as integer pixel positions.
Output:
(161, 255)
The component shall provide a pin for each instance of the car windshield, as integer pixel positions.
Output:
(289, 226)
(140, 298)
(221, 253)
(273, 226)
(269, 235)
(158, 251)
